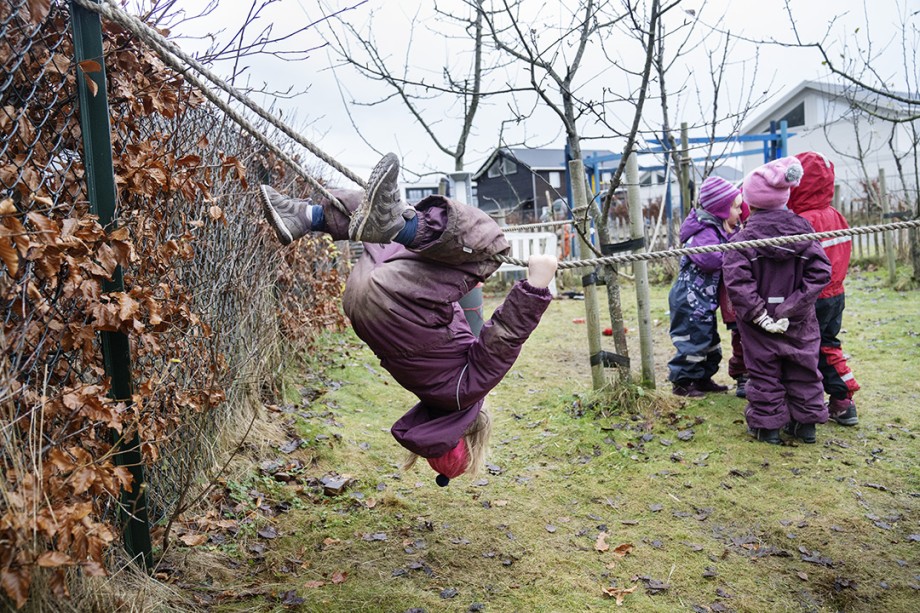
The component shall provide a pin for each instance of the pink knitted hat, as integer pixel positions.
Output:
(767, 187)
(717, 196)
(452, 464)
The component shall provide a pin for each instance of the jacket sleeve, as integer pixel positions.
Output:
(741, 285)
(816, 274)
(707, 262)
(501, 339)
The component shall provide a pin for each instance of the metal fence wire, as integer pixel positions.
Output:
(230, 300)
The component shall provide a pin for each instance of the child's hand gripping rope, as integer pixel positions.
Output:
(541, 269)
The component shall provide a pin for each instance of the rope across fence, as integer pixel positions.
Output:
(764, 242)
(172, 55)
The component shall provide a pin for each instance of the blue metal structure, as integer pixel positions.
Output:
(775, 145)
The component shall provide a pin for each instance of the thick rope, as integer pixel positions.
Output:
(168, 52)
(763, 242)
(534, 226)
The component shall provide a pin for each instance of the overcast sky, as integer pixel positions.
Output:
(320, 113)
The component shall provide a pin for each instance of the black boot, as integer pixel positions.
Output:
(766, 435)
(804, 432)
(741, 387)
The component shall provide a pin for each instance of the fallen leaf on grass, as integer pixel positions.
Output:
(339, 576)
(268, 532)
(193, 540)
(620, 551)
(619, 593)
(314, 584)
(290, 599)
(500, 503)
(601, 543)
(803, 576)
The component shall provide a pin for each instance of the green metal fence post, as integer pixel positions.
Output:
(100, 183)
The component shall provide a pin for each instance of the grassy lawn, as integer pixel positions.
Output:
(674, 511)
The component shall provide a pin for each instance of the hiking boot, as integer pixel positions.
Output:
(766, 435)
(708, 385)
(289, 218)
(843, 411)
(741, 387)
(382, 213)
(803, 432)
(687, 389)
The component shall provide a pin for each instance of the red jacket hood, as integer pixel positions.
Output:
(816, 191)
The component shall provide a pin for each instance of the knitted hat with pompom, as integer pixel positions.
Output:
(767, 187)
(717, 196)
(452, 464)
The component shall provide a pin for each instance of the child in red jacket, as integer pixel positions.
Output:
(812, 200)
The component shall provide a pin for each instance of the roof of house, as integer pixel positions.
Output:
(833, 90)
(535, 159)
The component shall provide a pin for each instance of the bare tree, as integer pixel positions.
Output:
(461, 80)
(875, 96)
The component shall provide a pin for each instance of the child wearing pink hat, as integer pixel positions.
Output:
(774, 289)
(694, 297)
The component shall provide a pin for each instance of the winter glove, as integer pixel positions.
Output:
(773, 327)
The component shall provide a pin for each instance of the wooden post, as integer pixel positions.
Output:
(640, 270)
(685, 161)
(592, 311)
(889, 245)
(875, 237)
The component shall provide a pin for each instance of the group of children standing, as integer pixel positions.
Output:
(783, 303)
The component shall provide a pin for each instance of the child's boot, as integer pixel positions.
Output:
(382, 213)
(686, 387)
(289, 218)
(708, 385)
(766, 435)
(804, 432)
(741, 386)
(843, 411)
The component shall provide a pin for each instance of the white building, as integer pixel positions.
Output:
(830, 119)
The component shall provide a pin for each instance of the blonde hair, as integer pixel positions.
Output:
(477, 439)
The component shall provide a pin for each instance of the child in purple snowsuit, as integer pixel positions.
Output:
(401, 298)
(694, 297)
(774, 290)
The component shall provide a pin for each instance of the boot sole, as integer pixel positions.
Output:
(271, 215)
(362, 213)
(847, 422)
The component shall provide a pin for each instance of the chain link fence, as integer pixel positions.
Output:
(211, 303)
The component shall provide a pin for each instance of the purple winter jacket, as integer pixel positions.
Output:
(783, 279)
(698, 230)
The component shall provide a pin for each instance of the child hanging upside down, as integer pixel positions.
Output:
(401, 298)
(774, 289)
